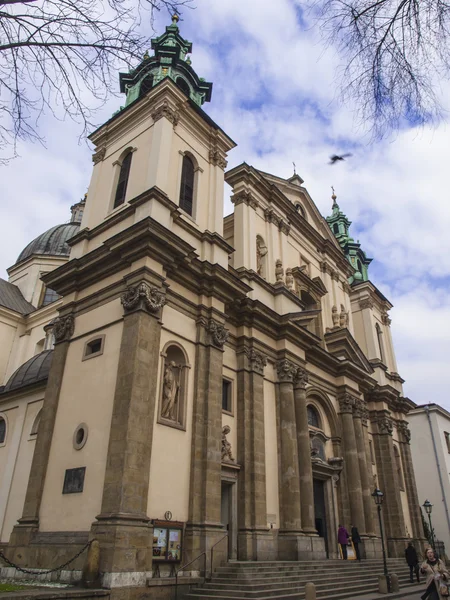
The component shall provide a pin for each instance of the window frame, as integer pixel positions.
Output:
(87, 356)
(230, 404)
(447, 440)
(5, 437)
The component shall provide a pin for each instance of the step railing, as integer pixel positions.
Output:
(187, 565)
(225, 537)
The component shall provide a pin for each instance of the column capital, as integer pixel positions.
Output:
(359, 408)
(256, 360)
(385, 425)
(346, 403)
(301, 379)
(142, 296)
(364, 416)
(403, 428)
(219, 334)
(286, 370)
(63, 328)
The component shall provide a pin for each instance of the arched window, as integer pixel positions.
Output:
(183, 85)
(398, 463)
(358, 262)
(336, 228)
(380, 341)
(187, 186)
(146, 86)
(313, 416)
(121, 189)
(49, 296)
(36, 422)
(2, 430)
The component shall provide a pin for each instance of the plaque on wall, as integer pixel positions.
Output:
(74, 480)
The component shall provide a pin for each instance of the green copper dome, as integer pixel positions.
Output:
(169, 60)
(340, 225)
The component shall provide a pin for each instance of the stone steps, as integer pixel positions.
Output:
(334, 580)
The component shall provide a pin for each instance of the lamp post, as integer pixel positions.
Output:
(378, 496)
(428, 508)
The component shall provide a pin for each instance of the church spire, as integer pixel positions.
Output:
(170, 59)
(340, 226)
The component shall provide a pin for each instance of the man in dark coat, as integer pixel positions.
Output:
(356, 539)
(413, 562)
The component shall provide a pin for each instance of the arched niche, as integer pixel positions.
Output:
(174, 385)
(35, 426)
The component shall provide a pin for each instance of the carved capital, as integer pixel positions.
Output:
(385, 319)
(143, 296)
(245, 197)
(257, 360)
(165, 110)
(63, 328)
(366, 303)
(403, 428)
(219, 334)
(217, 159)
(364, 416)
(284, 227)
(99, 155)
(346, 403)
(358, 408)
(286, 370)
(271, 217)
(301, 379)
(385, 425)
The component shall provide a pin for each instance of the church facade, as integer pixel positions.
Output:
(172, 376)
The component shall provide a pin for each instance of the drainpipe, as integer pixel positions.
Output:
(427, 410)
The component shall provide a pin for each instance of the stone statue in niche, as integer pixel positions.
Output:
(343, 317)
(289, 279)
(261, 251)
(279, 271)
(335, 316)
(226, 446)
(171, 390)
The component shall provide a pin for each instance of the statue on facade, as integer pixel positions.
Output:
(343, 317)
(171, 388)
(279, 271)
(226, 446)
(289, 279)
(335, 316)
(261, 251)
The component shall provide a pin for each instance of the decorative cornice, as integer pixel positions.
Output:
(301, 378)
(63, 328)
(165, 110)
(346, 403)
(219, 334)
(403, 428)
(143, 296)
(245, 197)
(257, 360)
(286, 370)
(366, 303)
(99, 155)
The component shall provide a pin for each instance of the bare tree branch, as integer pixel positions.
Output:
(396, 52)
(61, 57)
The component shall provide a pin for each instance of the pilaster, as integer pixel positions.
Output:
(359, 411)
(404, 435)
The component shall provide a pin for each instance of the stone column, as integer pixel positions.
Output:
(388, 483)
(122, 527)
(410, 481)
(358, 410)
(304, 453)
(372, 480)
(290, 515)
(29, 523)
(204, 526)
(351, 462)
(253, 540)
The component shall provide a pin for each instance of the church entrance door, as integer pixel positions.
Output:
(228, 516)
(320, 511)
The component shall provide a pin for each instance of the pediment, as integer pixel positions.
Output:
(343, 346)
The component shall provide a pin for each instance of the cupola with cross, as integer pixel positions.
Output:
(340, 226)
(170, 60)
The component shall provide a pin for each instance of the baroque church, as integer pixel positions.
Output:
(171, 376)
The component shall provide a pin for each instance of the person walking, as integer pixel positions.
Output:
(413, 562)
(356, 539)
(343, 540)
(437, 577)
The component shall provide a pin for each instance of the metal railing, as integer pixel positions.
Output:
(187, 565)
(212, 552)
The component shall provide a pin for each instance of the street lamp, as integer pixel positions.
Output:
(428, 508)
(378, 496)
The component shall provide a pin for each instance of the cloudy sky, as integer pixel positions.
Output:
(275, 94)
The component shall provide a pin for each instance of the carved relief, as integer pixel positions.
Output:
(279, 271)
(289, 279)
(219, 334)
(63, 328)
(343, 317)
(402, 426)
(286, 370)
(217, 159)
(385, 319)
(227, 455)
(301, 378)
(143, 296)
(346, 403)
(335, 316)
(99, 155)
(256, 359)
(165, 110)
(385, 425)
(358, 408)
(366, 303)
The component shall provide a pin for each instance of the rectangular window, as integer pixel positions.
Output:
(226, 395)
(447, 440)
(372, 457)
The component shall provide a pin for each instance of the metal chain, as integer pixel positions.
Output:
(31, 572)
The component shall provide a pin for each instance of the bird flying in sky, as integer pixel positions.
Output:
(335, 158)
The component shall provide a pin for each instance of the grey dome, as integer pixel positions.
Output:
(34, 370)
(52, 242)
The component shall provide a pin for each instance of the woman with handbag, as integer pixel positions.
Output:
(437, 575)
